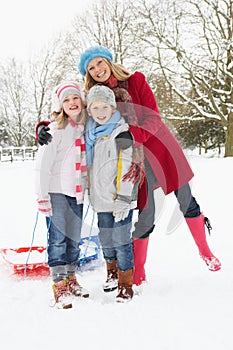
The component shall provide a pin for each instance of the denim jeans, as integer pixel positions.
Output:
(64, 230)
(116, 240)
(187, 203)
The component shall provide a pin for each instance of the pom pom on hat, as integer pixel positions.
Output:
(61, 91)
(101, 93)
(89, 54)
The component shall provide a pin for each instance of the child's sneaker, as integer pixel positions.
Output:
(62, 296)
(75, 288)
(212, 262)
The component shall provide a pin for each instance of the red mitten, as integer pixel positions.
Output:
(44, 207)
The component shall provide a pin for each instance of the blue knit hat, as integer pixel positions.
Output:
(89, 54)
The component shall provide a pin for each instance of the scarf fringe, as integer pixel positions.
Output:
(80, 163)
(135, 174)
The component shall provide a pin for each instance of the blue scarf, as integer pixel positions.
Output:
(94, 130)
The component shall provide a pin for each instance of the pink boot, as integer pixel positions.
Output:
(140, 252)
(197, 229)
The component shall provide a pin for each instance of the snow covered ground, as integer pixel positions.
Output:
(183, 305)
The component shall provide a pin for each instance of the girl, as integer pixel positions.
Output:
(60, 183)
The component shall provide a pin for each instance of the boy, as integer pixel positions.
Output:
(112, 198)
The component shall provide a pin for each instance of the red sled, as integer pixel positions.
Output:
(32, 261)
(16, 259)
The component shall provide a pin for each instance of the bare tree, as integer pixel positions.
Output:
(46, 71)
(14, 101)
(192, 42)
(108, 23)
(26, 93)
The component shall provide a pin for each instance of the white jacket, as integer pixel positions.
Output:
(55, 164)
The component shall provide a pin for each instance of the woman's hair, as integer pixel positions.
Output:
(62, 118)
(119, 72)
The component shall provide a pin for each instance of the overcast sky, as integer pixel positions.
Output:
(27, 25)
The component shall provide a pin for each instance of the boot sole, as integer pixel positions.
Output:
(123, 300)
(69, 306)
(107, 290)
(81, 295)
(60, 306)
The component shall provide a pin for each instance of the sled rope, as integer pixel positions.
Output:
(47, 235)
(30, 249)
(90, 232)
(33, 237)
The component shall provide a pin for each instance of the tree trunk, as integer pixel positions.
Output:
(229, 137)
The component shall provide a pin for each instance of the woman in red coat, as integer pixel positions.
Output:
(165, 162)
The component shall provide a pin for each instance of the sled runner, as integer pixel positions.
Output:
(32, 261)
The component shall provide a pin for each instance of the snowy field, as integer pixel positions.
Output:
(183, 306)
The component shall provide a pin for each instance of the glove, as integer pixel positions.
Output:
(124, 140)
(121, 210)
(44, 207)
(43, 136)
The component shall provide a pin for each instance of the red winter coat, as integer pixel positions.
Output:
(162, 150)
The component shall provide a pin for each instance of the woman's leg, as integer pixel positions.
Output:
(143, 228)
(188, 204)
(196, 223)
(146, 217)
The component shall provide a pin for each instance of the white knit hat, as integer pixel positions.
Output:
(101, 93)
(61, 91)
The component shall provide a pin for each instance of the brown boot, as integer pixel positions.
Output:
(61, 295)
(75, 288)
(125, 284)
(111, 282)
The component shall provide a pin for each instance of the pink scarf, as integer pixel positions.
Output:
(80, 161)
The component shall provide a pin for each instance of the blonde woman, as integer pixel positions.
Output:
(165, 163)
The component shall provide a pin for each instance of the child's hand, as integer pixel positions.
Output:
(44, 207)
(121, 210)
